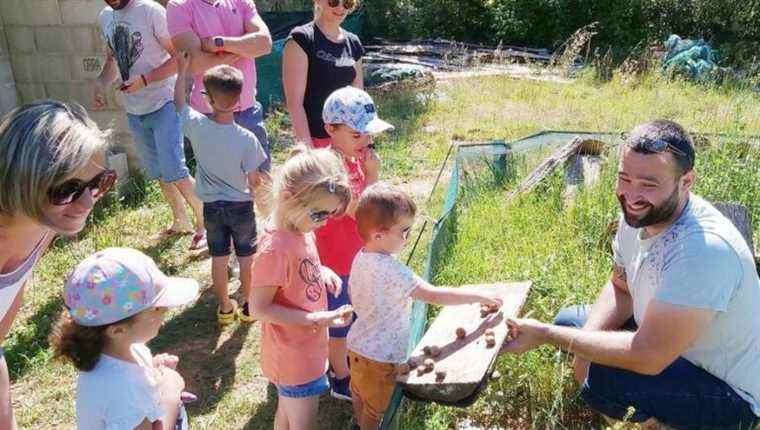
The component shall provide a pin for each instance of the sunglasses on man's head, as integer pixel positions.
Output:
(347, 4)
(653, 145)
(71, 190)
(319, 216)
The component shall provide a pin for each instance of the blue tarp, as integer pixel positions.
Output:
(694, 59)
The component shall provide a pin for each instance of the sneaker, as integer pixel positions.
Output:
(245, 315)
(225, 318)
(340, 388)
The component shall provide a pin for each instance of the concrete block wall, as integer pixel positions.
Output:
(8, 91)
(53, 49)
(56, 51)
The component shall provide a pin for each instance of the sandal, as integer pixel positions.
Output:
(245, 314)
(171, 231)
(224, 318)
(198, 242)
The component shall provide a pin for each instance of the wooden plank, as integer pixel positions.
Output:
(580, 170)
(547, 167)
(466, 361)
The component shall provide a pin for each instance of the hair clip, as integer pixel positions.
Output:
(331, 186)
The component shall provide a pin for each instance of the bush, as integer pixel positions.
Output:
(732, 25)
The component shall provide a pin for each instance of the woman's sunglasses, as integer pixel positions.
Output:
(347, 4)
(71, 190)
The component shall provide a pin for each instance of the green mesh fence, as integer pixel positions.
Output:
(490, 154)
(470, 161)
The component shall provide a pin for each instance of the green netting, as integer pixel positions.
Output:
(269, 67)
(492, 154)
(470, 158)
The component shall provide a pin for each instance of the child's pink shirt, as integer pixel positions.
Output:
(291, 354)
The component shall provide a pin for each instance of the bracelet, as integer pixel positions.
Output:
(145, 81)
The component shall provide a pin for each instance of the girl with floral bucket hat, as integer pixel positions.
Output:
(115, 303)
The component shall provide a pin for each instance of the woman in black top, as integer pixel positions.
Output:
(319, 58)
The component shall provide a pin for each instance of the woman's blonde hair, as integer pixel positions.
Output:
(42, 144)
(307, 177)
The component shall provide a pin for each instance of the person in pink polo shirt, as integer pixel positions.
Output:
(228, 32)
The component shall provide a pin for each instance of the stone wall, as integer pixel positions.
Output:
(53, 49)
(56, 51)
(8, 97)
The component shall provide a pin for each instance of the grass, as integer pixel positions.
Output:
(222, 365)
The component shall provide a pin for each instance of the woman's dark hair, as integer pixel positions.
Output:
(81, 345)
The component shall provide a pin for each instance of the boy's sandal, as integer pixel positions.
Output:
(224, 318)
(198, 242)
(246, 318)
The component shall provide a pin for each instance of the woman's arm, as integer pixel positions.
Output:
(295, 66)
(359, 79)
(7, 421)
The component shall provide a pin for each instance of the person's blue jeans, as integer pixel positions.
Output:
(225, 221)
(159, 143)
(253, 119)
(309, 389)
(683, 396)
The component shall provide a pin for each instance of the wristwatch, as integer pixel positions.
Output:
(219, 42)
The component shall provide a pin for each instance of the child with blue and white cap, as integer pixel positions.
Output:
(352, 122)
(115, 303)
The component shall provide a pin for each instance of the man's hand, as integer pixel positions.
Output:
(183, 62)
(208, 45)
(331, 281)
(99, 96)
(133, 85)
(524, 335)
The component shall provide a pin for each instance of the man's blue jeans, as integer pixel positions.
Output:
(683, 396)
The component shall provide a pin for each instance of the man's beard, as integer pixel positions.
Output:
(122, 5)
(655, 215)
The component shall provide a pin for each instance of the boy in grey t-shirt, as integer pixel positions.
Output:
(228, 158)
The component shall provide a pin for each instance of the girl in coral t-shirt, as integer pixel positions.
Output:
(290, 284)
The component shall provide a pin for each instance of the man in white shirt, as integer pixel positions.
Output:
(675, 334)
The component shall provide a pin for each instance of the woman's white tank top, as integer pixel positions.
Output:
(10, 283)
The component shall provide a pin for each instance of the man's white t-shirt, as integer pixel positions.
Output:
(133, 35)
(117, 394)
(380, 287)
(701, 261)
